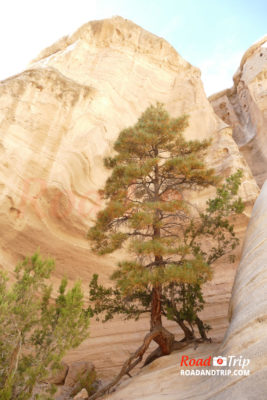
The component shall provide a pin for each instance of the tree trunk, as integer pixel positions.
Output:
(155, 319)
(189, 335)
(201, 328)
(164, 339)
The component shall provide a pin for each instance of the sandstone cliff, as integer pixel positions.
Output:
(59, 118)
(244, 107)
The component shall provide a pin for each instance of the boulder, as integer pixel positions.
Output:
(81, 395)
(59, 377)
(80, 374)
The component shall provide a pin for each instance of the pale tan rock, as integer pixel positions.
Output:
(58, 120)
(77, 371)
(244, 107)
(79, 374)
(245, 337)
(83, 394)
(60, 376)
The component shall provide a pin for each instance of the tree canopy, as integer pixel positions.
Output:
(154, 165)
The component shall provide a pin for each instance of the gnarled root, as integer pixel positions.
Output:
(161, 336)
(166, 343)
(153, 356)
(129, 364)
(157, 353)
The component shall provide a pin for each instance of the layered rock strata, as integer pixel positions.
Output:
(59, 119)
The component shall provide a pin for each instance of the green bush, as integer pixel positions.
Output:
(36, 331)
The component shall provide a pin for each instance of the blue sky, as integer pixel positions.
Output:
(212, 35)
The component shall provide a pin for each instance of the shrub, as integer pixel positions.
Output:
(36, 331)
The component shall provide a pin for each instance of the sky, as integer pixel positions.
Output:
(210, 34)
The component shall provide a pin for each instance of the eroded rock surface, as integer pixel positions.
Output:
(59, 119)
(244, 107)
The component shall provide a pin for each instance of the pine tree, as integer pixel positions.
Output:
(148, 211)
(181, 302)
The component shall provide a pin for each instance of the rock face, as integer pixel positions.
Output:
(78, 375)
(58, 119)
(60, 376)
(244, 107)
(245, 337)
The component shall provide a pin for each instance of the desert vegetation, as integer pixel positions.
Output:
(36, 330)
(172, 242)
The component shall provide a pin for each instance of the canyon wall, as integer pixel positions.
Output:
(59, 119)
(244, 108)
